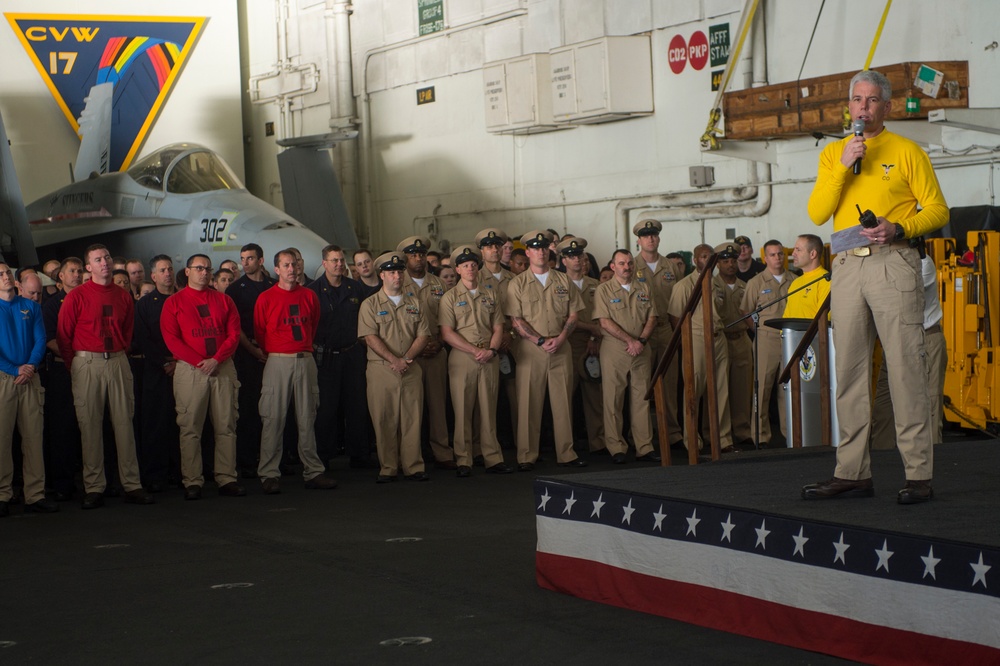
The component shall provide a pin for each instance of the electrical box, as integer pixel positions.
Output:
(518, 100)
(602, 80)
(701, 176)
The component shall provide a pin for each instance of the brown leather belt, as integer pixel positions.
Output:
(295, 355)
(934, 328)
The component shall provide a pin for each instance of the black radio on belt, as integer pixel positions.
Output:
(867, 218)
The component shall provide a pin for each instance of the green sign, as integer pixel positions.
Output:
(718, 44)
(430, 15)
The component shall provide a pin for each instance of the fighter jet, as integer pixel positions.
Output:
(179, 200)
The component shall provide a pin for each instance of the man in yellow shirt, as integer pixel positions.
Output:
(806, 256)
(877, 288)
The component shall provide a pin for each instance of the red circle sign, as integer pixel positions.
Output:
(677, 54)
(698, 50)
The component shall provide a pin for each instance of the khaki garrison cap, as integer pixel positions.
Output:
(537, 238)
(647, 228)
(464, 253)
(390, 261)
(414, 244)
(490, 236)
(572, 247)
(727, 250)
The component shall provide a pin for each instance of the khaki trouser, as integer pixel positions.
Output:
(659, 341)
(97, 380)
(285, 376)
(474, 389)
(621, 372)
(768, 369)
(881, 294)
(721, 386)
(740, 384)
(883, 433)
(590, 394)
(536, 370)
(22, 405)
(435, 373)
(197, 395)
(396, 405)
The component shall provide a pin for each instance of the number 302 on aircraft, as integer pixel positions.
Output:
(213, 231)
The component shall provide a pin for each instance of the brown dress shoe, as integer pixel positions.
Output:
(138, 496)
(232, 489)
(271, 486)
(915, 492)
(839, 488)
(321, 482)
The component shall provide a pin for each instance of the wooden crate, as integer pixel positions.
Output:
(820, 104)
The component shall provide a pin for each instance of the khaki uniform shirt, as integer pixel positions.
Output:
(761, 289)
(733, 297)
(397, 325)
(489, 281)
(587, 295)
(547, 308)
(682, 292)
(629, 309)
(472, 317)
(661, 283)
(429, 295)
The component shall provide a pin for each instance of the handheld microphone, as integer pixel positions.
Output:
(859, 130)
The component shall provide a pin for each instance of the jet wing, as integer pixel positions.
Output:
(50, 232)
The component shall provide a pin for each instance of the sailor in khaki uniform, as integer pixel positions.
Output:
(678, 299)
(585, 340)
(763, 288)
(543, 307)
(738, 340)
(472, 323)
(433, 362)
(395, 329)
(627, 312)
(493, 276)
(656, 271)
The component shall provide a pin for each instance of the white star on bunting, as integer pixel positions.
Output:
(762, 533)
(841, 550)
(693, 521)
(800, 543)
(627, 518)
(727, 529)
(980, 570)
(570, 502)
(658, 517)
(929, 563)
(883, 556)
(598, 505)
(545, 500)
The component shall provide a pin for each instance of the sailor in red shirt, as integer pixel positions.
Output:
(285, 320)
(201, 328)
(94, 334)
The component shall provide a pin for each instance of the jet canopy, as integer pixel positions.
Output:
(185, 168)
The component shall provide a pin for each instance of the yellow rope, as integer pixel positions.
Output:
(878, 34)
(712, 132)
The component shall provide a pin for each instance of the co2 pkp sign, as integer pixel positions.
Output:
(694, 50)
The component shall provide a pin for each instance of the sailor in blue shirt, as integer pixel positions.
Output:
(22, 347)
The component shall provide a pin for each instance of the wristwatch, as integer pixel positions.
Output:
(900, 231)
(642, 341)
(541, 341)
(496, 352)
